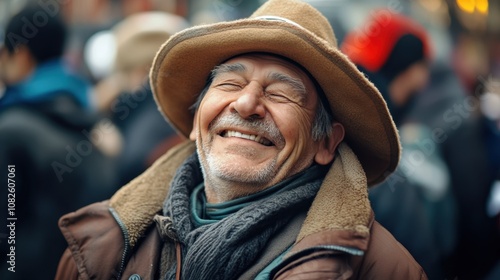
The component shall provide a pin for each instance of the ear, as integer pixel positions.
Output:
(328, 145)
(192, 135)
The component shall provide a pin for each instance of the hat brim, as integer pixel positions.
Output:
(184, 62)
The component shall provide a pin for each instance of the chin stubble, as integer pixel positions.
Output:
(215, 168)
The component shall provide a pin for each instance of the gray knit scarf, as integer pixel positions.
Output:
(225, 249)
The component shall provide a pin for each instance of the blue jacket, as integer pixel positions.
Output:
(50, 79)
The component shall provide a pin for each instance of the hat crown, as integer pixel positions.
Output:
(300, 13)
(294, 30)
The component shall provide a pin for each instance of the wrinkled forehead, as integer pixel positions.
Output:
(272, 59)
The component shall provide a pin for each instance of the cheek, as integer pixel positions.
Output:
(419, 76)
(210, 107)
(295, 125)
(12, 72)
(4, 67)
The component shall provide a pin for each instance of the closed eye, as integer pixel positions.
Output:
(277, 97)
(229, 86)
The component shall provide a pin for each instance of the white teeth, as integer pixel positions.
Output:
(256, 138)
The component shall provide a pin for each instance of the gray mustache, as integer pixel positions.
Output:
(266, 128)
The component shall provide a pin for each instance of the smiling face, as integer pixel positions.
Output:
(253, 126)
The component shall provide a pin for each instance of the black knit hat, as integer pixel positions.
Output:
(408, 49)
(398, 43)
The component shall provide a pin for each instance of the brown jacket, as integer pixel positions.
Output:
(119, 239)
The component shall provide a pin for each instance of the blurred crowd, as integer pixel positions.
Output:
(78, 120)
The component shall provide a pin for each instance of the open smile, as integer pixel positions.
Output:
(257, 138)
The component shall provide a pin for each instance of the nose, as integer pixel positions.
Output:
(249, 103)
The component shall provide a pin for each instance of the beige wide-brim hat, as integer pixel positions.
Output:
(299, 32)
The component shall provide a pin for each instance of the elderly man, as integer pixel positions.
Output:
(286, 136)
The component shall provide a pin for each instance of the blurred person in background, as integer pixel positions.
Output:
(125, 95)
(452, 106)
(490, 111)
(460, 132)
(85, 18)
(59, 148)
(415, 203)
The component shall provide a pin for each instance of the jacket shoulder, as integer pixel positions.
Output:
(95, 243)
(386, 258)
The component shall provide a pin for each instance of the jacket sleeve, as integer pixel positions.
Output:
(67, 269)
(386, 258)
(315, 264)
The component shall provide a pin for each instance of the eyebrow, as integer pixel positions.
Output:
(296, 84)
(227, 68)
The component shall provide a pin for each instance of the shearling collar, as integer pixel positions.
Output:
(340, 214)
